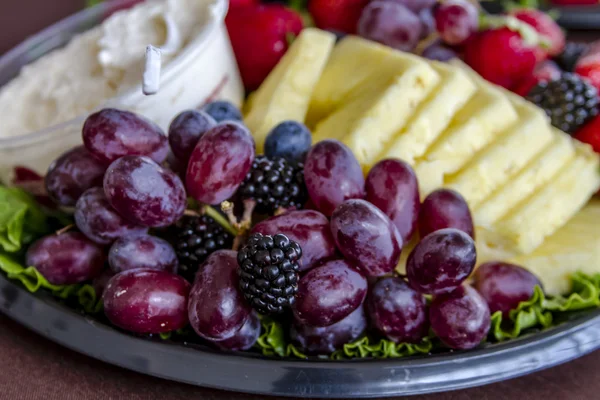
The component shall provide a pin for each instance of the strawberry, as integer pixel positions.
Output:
(259, 37)
(588, 66)
(551, 33)
(501, 56)
(590, 134)
(337, 15)
(242, 3)
(544, 72)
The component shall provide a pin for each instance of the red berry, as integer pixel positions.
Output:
(546, 27)
(259, 36)
(544, 72)
(500, 56)
(241, 3)
(590, 134)
(338, 15)
(588, 65)
(456, 21)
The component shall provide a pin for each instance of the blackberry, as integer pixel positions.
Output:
(194, 239)
(570, 55)
(269, 272)
(273, 184)
(569, 101)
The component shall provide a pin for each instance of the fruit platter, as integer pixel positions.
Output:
(383, 198)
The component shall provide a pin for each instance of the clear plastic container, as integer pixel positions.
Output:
(203, 71)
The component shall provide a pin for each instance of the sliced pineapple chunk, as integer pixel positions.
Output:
(433, 115)
(485, 116)
(574, 247)
(286, 93)
(538, 173)
(498, 163)
(380, 108)
(523, 229)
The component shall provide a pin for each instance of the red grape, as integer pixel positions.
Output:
(456, 20)
(332, 175)
(147, 301)
(185, 131)
(71, 174)
(220, 162)
(390, 23)
(461, 319)
(245, 338)
(441, 261)
(110, 134)
(392, 187)
(142, 252)
(310, 229)
(366, 237)
(445, 208)
(144, 192)
(398, 311)
(504, 285)
(217, 309)
(326, 340)
(329, 293)
(427, 22)
(101, 281)
(66, 259)
(415, 5)
(98, 221)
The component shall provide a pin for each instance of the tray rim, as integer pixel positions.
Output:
(314, 378)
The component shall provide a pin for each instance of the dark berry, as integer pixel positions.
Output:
(269, 272)
(570, 101)
(274, 184)
(223, 111)
(290, 140)
(570, 55)
(194, 239)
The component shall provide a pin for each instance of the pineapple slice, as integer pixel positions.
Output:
(524, 228)
(478, 124)
(353, 61)
(535, 175)
(433, 115)
(574, 247)
(498, 163)
(381, 108)
(286, 92)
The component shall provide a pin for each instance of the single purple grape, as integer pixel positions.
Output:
(144, 192)
(329, 293)
(366, 237)
(101, 281)
(391, 24)
(219, 163)
(66, 259)
(142, 252)
(456, 20)
(185, 131)
(110, 134)
(445, 208)
(217, 309)
(461, 319)
(147, 301)
(504, 285)
(310, 229)
(101, 223)
(332, 175)
(398, 311)
(245, 338)
(326, 340)
(71, 174)
(415, 5)
(441, 262)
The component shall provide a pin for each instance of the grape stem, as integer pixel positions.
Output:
(214, 214)
(65, 229)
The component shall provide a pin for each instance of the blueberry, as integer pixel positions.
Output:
(223, 111)
(290, 140)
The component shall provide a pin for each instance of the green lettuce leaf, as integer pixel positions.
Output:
(84, 294)
(21, 219)
(272, 341)
(540, 311)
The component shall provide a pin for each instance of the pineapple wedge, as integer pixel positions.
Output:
(525, 228)
(353, 61)
(286, 93)
(535, 175)
(485, 116)
(574, 247)
(433, 115)
(494, 166)
(381, 108)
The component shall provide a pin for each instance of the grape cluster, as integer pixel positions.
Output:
(326, 272)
